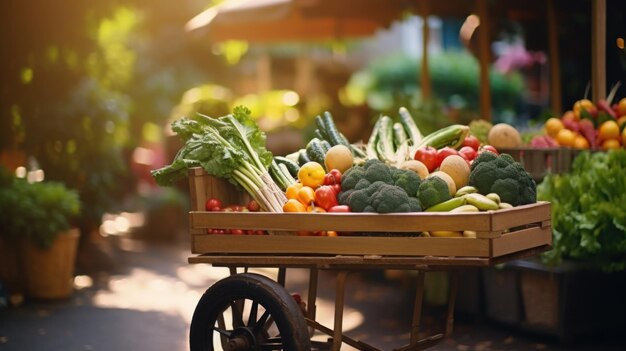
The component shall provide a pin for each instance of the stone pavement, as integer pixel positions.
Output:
(145, 301)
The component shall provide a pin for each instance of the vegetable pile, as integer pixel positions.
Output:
(588, 212)
(230, 147)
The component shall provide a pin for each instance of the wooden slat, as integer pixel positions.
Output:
(344, 222)
(598, 50)
(521, 240)
(521, 215)
(398, 246)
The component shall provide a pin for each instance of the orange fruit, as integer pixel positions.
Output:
(311, 174)
(566, 137)
(624, 137)
(553, 126)
(316, 209)
(608, 130)
(306, 195)
(584, 104)
(570, 114)
(292, 190)
(621, 106)
(621, 121)
(293, 205)
(580, 142)
(611, 144)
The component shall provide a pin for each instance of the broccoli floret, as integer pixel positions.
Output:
(362, 184)
(358, 200)
(433, 190)
(378, 172)
(504, 176)
(414, 205)
(390, 198)
(376, 187)
(351, 177)
(407, 180)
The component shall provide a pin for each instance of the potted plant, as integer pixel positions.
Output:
(38, 239)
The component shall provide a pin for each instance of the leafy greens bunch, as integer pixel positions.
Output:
(230, 147)
(588, 210)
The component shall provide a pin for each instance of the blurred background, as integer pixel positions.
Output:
(88, 89)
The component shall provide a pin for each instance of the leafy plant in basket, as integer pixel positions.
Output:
(230, 147)
(588, 213)
(37, 212)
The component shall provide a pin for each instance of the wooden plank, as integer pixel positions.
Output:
(398, 246)
(553, 54)
(484, 55)
(414, 222)
(521, 240)
(521, 215)
(598, 50)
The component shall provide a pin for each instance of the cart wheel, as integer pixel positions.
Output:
(248, 312)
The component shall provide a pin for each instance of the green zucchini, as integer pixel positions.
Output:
(293, 167)
(326, 146)
(315, 151)
(407, 121)
(452, 136)
(318, 134)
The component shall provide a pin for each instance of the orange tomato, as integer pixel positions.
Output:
(293, 205)
(311, 174)
(306, 195)
(624, 137)
(292, 190)
(611, 144)
(621, 121)
(608, 130)
(566, 137)
(553, 126)
(580, 142)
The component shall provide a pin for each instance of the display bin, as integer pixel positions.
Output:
(541, 161)
(499, 233)
(571, 301)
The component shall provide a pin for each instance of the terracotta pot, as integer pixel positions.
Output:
(49, 273)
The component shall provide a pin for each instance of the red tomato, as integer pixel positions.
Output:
(468, 153)
(253, 206)
(428, 156)
(332, 177)
(336, 188)
(443, 153)
(236, 232)
(472, 142)
(488, 148)
(213, 203)
(339, 208)
(325, 197)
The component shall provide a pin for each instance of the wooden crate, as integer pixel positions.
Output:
(499, 233)
(539, 162)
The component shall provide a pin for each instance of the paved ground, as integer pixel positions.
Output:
(145, 299)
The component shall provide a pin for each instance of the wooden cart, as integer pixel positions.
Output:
(252, 312)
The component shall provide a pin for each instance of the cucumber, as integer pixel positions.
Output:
(326, 146)
(407, 121)
(334, 137)
(293, 167)
(318, 134)
(321, 126)
(315, 151)
(303, 158)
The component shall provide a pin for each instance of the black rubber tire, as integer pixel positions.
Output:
(282, 307)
